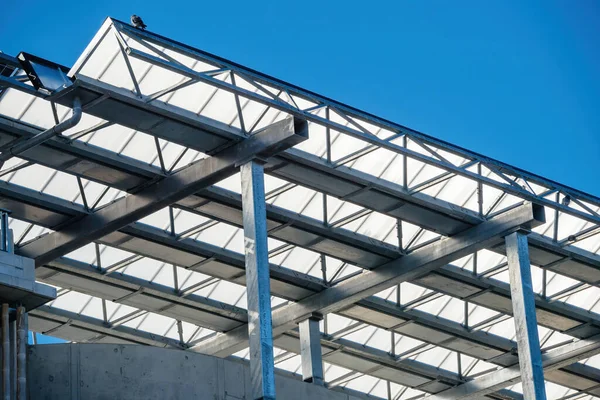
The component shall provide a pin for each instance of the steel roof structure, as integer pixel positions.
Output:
(395, 237)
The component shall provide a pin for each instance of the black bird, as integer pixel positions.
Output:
(566, 200)
(137, 22)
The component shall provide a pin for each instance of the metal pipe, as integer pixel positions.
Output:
(46, 135)
(21, 353)
(3, 231)
(12, 333)
(5, 354)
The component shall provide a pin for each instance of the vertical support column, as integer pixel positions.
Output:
(13, 358)
(260, 328)
(310, 350)
(523, 302)
(3, 231)
(21, 353)
(5, 354)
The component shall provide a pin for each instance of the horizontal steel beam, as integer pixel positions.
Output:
(152, 198)
(135, 292)
(84, 278)
(408, 267)
(552, 360)
(80, 328)
(189, 129)
(9, 60)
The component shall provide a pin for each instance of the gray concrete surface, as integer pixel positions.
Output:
(115, 372)
(18, 285)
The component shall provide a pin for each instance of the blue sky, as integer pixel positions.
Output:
(515, 80)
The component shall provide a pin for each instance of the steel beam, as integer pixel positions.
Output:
(258, 290)
(405, 268)
(161, 299)
(206, 172)
(80, 328)
(552, 360)
(105, 167)
(310, 350)
(523, 302)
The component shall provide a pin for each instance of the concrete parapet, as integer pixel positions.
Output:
(105, 371)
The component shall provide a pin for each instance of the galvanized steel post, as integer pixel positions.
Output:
(257, 281)
(310, 350)
(523, 302)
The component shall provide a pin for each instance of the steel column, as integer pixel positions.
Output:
(310, 350)
(5, 354)
(21, 354)
(523, 302)
(257, 281)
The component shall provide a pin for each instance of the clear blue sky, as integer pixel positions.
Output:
(515, 80)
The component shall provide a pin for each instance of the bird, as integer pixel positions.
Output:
(566, 200)
(137, 22)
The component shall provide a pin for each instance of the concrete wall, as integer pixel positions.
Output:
(104, 371)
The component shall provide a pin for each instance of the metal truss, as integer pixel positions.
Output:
(427, 263)
(360, 125)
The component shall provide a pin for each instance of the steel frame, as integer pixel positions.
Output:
(359, 125)
(130, 168)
